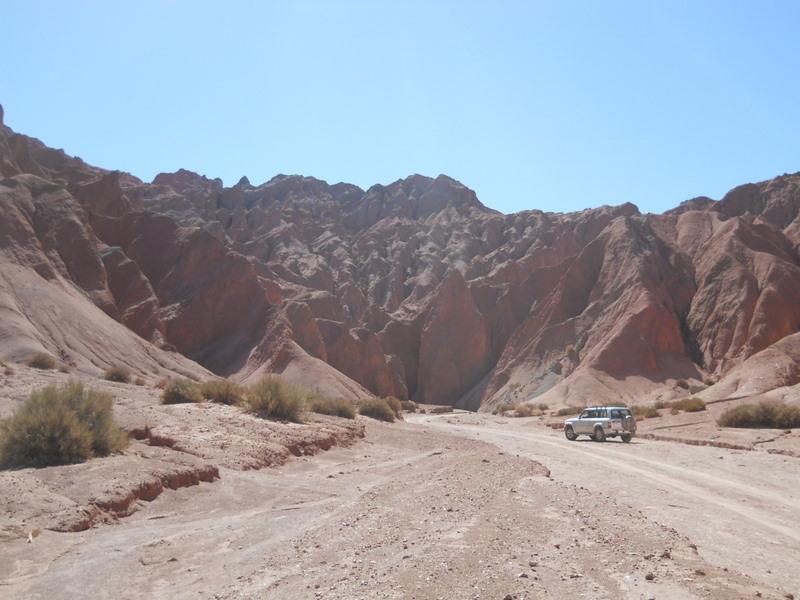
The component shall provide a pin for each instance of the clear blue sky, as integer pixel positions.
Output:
(557, 105)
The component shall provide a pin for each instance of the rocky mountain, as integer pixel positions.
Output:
(413, 289)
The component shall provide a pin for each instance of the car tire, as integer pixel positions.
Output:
(599, 434)
(626, 437)
(570, 434)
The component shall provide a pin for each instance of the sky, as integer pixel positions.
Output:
(552, 105)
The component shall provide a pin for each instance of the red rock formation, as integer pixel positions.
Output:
(415, 288)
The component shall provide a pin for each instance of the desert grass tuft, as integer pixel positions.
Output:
(117, 374)
(41, 360)
(60, 425)
(645, 412)
(409, 406)
(337, 407)
(180, 391)
(689, 404)
(377, 408)
(222, 391)
(396, 406)
(766, 414)
(273, 398)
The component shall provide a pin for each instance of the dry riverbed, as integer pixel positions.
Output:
(445, 506)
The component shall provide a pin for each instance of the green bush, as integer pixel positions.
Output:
(337, 407)
(396, 406)
(765, 414)
(180, 391)
(118, 374)
(567, 411)
(41, 360)
(689, 404)
(377, 408)
(273, 398)
(222, 391)
(60, 425)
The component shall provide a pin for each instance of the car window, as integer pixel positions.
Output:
(616, 414)
(602, 413)
(585, 414)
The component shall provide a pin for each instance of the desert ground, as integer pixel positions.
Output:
(457, 505)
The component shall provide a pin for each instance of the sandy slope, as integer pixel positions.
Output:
(446, 507)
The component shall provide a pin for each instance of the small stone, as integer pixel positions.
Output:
(649, 577)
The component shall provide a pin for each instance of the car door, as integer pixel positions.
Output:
(585, 422)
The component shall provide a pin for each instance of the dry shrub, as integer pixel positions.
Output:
(222, 391)
(60, 425)
(527, 410)
(396, 406)
(440, 410)
(41, 360)
(542, 406)
(118, 374)
(139, 381)
(377, 408)
(645, 412)
(766, 414)
(273, 398)
(689, 404)
(568, 411)
(682, 383)
(337, 407)
(409, 406)
(503, 408)
(162, 383)
(180, 391)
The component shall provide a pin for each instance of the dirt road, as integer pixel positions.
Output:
(741, 508)
(442, 507)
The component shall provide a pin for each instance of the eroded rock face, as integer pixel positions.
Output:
(413, 289)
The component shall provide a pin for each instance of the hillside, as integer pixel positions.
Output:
(413, 289)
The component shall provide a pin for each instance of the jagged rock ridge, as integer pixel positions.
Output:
(413, 289)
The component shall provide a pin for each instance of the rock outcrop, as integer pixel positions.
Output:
(413, 289)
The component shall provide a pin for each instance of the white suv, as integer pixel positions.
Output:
(601, 422)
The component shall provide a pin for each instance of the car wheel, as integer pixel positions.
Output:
(626, 437)
(599, 434)
(569, 433)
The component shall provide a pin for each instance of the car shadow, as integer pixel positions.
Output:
(608, 441)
